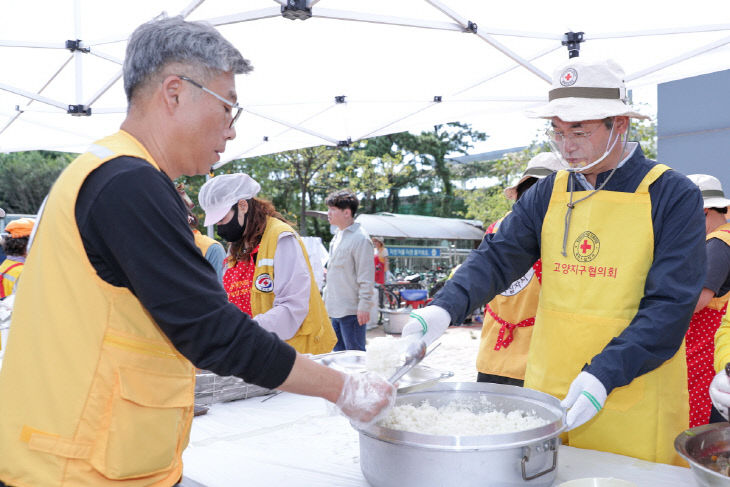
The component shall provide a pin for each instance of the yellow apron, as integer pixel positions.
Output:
(590, 297)
(722, 336)
(508, 325)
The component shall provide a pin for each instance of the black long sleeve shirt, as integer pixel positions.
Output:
(135, 232)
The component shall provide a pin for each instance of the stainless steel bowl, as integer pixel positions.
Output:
(395, 319)
(698, 443)
(393, 458)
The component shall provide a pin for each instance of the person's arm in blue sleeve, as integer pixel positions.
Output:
(501, 258)
(672, 286)
(216, 254)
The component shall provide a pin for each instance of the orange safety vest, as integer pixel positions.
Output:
(93, 392)
(588, 298)
(316, 334)
(9, 273)
(508, 324)
(701, 347)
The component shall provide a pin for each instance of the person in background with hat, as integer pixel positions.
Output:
(117, 306)
(268, 274)
(712, 304)
(621, 240)
(510, 316)
(15, 246)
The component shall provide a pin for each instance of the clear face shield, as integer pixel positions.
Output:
(557, 141)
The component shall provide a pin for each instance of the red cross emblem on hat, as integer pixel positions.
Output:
(569, 77)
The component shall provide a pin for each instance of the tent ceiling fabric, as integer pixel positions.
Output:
(392, 225)
(388, 59)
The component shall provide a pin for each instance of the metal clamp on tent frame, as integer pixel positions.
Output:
(340, 99)
(296, 9)
(75, 45)
(79, 110)
(471, 27)
(572, 41)
(345, 143)
(437, 99)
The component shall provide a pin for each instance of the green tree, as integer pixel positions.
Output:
(489, 204)
(27, 177)
(645, 132)
(433, 147)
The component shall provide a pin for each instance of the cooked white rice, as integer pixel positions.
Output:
(459, 419)
(383, 356)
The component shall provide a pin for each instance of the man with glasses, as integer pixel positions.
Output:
(118, 306)
(621, 240)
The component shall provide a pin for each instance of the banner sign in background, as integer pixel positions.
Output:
(413, 252)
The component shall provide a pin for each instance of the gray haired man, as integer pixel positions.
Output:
(118, 306)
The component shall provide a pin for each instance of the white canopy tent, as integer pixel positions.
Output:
(355, 69)
(390, 225)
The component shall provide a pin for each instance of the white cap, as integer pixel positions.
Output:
(220, 193)
(711, 189)
(587, 90)
(543, 164)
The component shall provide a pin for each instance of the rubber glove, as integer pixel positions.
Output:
(585, 399)
(720, 393)
(365, 398)
(427, 323)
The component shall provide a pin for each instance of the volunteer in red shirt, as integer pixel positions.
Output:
(712, 303)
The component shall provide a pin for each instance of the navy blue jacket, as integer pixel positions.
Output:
(673, 283)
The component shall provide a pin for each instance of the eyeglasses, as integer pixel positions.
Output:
(234, 106)
(575, 135)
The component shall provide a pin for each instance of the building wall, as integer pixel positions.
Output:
(694, 125)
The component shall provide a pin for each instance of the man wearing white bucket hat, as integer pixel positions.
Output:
(621, 240)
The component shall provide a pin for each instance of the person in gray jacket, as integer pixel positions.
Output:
(350, 273)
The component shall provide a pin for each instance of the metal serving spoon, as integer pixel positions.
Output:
(414, 354)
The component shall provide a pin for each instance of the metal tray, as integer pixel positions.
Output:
(353, 361)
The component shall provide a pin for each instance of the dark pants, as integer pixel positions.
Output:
(498, 379)
(350, 335)
(715, 416)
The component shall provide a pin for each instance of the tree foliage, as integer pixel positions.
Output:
(379, 170)
(26, 178)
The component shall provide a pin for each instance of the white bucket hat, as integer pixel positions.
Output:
(587, 90)
(543, 164)
(220, 193)
(711, 190)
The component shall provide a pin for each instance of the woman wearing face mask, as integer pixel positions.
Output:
(268, 273)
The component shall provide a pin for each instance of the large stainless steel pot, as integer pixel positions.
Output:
(700, 442)
(392, 458)
(395, 319)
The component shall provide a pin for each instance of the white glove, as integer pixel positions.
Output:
(720, 393)
(585, 398)
(427, 323)
(365, 398)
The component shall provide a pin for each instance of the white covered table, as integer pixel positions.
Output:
(297, 441)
